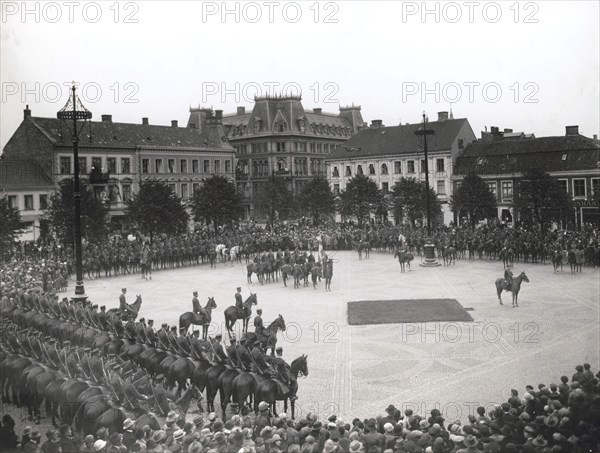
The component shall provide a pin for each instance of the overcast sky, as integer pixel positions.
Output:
(529, 66)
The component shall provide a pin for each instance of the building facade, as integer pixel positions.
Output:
(279, 139)
(501, 158)
(386, 154)
(116, 157)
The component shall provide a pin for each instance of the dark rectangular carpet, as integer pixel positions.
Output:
(406, 310)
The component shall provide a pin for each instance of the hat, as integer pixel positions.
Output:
(388, 427)
(329, 446)
(27, 431)
(259, 311)
(142, 319)
(355, 445)
(102, 432)
(115, 438)
(128, 423)
(219, 438)
(423, 424)
(173, 327)
(171, 417)
(177, 435)
(391, 409)
(471, 441)
(317, 426)
(198, 420)
(239, 288)
(158, 435)
(276, 438)
(195, 293)
(160, 377)
(99, 445)
(579, 368)
(35, 434)
(539, 441)
(212, 416)
(263, 406)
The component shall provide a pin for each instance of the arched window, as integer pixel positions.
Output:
(281, 165)
(359, 170)
(348, 171)
(336, 173)
(371, 169)
(384, 169)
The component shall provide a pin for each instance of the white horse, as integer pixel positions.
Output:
(221, 250)
(234, 254)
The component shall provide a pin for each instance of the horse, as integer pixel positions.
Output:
(449, 255)
(270, 391)
(316, 272)
(268, 339)
(219, 251)
(514, 288)
(327, 274)
(132, 309)
(508, 257)
(404, 258)
(232, 314)
(254, 268)
(286, 271)
(298, 274)
(235, 254)
(557, 258)
(201, 319)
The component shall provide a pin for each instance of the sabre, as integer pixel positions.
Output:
(82, 369)
(61, 362)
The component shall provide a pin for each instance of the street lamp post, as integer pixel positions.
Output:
(429, 247)
(74, 111)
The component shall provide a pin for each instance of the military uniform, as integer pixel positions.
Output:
(220, 355)
(239, 302)
(160, 395)
(258, 324)
(151, 338)
(196, 308)
(184, 343)
(259, 365)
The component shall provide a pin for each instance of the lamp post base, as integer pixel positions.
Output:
(79, 295)
(430, 260)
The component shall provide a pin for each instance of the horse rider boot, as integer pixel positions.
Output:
(508, 278)
(239, 303)
(220, 356)
(258, 324)
(196, 308)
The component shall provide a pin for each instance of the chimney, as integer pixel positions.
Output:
(572, 130)
(442, 116)
(26, 112)
(508, 131)
(107, 118)
(317, 110)
(494, 130)
(145, 120)
(595, 137)
(218, 113)
(241, 110)
(174, 123)
(376, 124)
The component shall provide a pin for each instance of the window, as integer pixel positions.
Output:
(439, 165)
(492, 186)
(384, 169)
(173, 187)
(217, 166)
(125, 165)
(564, 183)
(206, 166)
(184, 190)
(281, 147)
(145, 165)
(371, 169)
(359, 170)
(43, 201)
(302, 148)
(243, 149)
(126, 192)
(410, 166)
(65, 165)
(461, 144)
(385, 187)
(195, 168)
(313, 147)
(397, 167)
(113, 193)
(96, 163)
(507, 190)
(83, 165)
(336, 189)
(579, 188)
(348, 171)
(157, 165)
(183, 166)
(441, 188)
(227, 166)
(12, 201)
(171, 165)
(423, 164)
(28, 203)
(195, 187)
(595, 186)
(336, 172)
(111, 165)
(319, 148)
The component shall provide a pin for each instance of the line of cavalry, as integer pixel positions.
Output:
(93, 369)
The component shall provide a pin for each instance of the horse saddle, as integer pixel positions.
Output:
(282, 386)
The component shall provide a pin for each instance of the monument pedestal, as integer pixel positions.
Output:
(430, 260)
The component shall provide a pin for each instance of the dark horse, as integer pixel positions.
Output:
(514, 288)
(508, 257)
(404, 258)
(269, 338)
(131, 312)
(232, 314)
(201, 319)
(270, 391)
(557, 257)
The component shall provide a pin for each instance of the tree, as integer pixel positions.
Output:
(216, 201)
(61, 212)
(10, 225)
(540, 199)
(409, 201)
(475, 198)
(275, 200)
(156, 209)
(361, 198)
(317, 199)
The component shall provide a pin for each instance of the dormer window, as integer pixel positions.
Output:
(301, 125)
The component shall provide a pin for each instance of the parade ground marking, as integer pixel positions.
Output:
(406, 310)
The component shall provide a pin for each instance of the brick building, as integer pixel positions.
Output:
(278, 138)
(115, 157)
(386, 154)
(501, 157)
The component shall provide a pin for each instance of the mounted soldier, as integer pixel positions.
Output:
(220, 356)
(183, 342)
(151, 337)
(232, 352)
(196, 307)
(259, 364)
(259, 327)
(508, 278)
(239, 302)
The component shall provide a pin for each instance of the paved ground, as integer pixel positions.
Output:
(359, 370)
